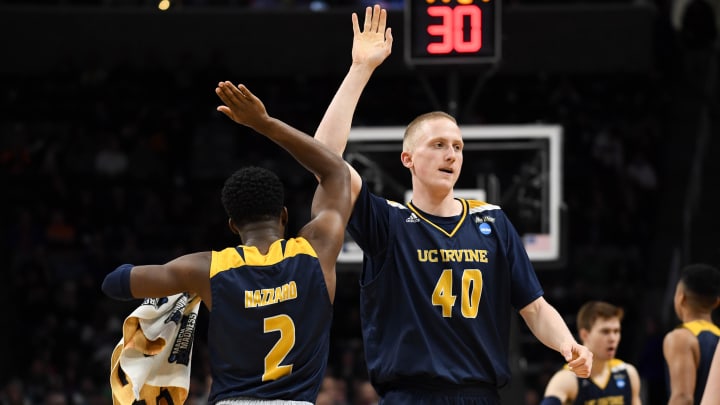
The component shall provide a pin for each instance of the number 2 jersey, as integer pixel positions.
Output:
(437, 294)
(269, 327)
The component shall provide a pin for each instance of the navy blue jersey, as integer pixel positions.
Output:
(437, 293)
(269, 326)
(707, 335)
(617, 390)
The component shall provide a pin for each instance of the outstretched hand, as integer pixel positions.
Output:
(374, 43)
(579, 359)
(241, 105)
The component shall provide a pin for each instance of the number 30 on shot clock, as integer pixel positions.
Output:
(452, 32)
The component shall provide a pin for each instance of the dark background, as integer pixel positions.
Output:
(111, 152)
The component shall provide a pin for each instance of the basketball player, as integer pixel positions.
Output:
(270, 299)
(688, 349)
(611, 381)
(441, 275)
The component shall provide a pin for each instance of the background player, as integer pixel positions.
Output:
(262, 345)
(689, 348)
(611, 379)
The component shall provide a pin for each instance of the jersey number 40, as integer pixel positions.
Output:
(470, 293)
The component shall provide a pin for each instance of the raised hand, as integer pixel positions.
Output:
(241, 105)
(374, 43)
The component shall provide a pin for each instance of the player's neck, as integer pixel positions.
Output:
(600, 369)
(260, 235)
(689, 316)
(438, 205)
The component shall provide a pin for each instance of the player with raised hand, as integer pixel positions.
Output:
(270, 299)
(441, 275)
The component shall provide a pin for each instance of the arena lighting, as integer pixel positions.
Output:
(164, 5)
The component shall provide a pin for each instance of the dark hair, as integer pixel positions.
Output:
(592, 310)
(702, 283)
(252, 194)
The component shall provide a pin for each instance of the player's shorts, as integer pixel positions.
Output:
(255, 401)
(463, 396)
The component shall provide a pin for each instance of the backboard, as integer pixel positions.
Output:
(518, 167)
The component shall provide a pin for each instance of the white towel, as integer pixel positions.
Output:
(152, 360)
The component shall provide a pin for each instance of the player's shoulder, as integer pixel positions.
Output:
(565, 371)
(480, 206)
(629, 368)
(487, 211)
(395, 204)
(617, 365)
(565, 381)
(477, 206)
(698, 326)
(679, 338)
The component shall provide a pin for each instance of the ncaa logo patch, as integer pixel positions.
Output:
(485, 229)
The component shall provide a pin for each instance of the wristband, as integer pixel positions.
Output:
(117, 284)
(551, 401)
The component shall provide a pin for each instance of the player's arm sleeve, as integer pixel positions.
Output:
(526, 287)
(369, 222)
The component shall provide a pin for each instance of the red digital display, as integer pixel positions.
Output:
(452, 31)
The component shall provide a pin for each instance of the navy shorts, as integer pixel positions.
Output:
(461, 396)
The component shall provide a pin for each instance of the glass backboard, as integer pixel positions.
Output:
(518, 167)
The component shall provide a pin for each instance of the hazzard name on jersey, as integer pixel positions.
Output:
(269, 296)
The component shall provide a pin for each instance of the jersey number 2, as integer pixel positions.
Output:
(283, 324)
(470, 293)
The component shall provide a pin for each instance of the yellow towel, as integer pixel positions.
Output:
(151, 363)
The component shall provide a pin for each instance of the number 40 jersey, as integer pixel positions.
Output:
(437, 293)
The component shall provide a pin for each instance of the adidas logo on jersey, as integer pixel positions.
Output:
(412, 218)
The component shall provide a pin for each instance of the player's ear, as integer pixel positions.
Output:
(406, 159)
(232, 227)
(583, 333)
(284, 216)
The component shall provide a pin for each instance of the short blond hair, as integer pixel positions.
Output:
(412, 129)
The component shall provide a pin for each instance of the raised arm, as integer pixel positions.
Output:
(331, 203)
(371, 47)
(548, 326)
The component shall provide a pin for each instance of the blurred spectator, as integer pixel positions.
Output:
(111, 160)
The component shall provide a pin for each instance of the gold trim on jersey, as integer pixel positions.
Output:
(457, 226)
(476, 206)
(700, 325)
(613, 366)
(230, 258)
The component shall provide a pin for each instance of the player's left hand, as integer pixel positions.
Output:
(241, 105)
(579, 359)
(373, 43)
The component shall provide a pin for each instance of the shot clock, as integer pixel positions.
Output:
(452, 32)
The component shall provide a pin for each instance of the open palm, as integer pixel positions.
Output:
(374, 43)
